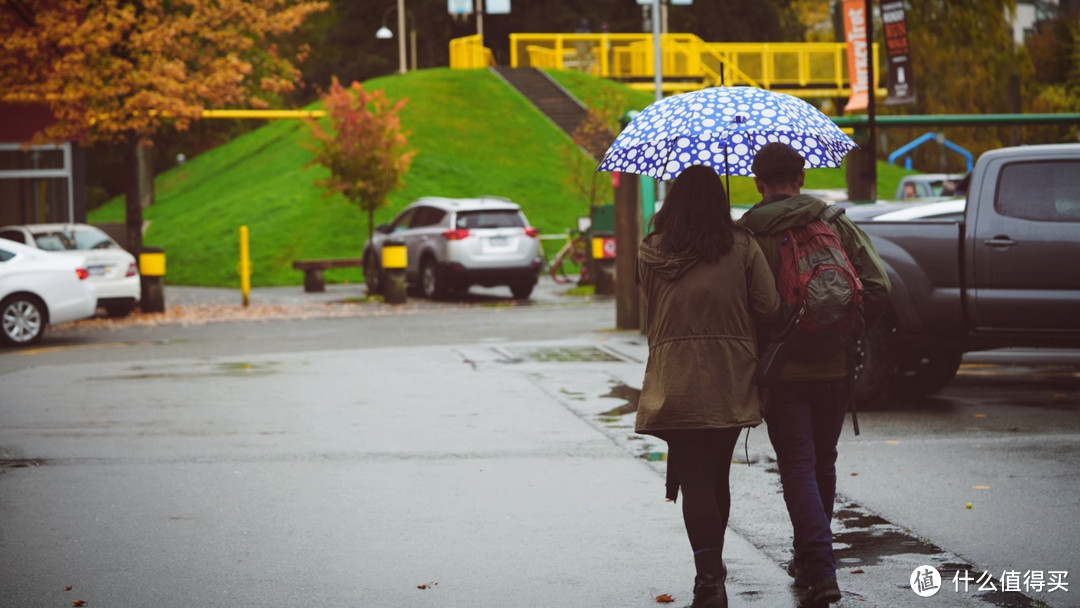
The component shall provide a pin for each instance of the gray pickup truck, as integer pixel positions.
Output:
(1002, 270)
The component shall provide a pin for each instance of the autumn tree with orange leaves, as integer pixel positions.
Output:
(364, 148)
(120, 71)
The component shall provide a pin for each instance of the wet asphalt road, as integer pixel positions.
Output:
(483, 449)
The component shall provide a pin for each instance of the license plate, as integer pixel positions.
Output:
(97, 271)
(498, 241)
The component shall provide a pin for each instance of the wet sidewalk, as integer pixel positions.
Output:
(509, 476)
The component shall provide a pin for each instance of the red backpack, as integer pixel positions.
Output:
(820, 291)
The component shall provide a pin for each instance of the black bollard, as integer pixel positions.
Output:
(152, 279)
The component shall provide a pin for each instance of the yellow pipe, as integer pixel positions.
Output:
(263, 113)
(245, 266)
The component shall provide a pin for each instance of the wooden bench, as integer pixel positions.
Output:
(313, 271)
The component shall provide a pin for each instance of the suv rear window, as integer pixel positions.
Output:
(507, 218)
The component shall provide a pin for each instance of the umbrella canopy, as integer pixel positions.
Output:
(723, 127)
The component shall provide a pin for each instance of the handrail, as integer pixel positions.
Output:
(469, 52)
(688, 62)
(942, 120)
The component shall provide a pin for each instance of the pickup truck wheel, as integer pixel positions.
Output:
(875, 366)
(932, 371)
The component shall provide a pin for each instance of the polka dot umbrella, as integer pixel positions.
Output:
(723, 127)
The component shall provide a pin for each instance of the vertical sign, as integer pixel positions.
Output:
(901, 87)
(855, 24)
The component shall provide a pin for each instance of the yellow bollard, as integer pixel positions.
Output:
(152, 279)
(394, 260)
(245, 267)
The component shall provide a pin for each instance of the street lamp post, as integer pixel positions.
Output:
(384, 33)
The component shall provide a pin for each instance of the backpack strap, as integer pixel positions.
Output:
(830, 213)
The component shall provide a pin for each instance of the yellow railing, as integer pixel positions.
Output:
(470, 53)
(808, 69)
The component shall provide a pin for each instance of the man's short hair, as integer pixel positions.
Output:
(777, 163)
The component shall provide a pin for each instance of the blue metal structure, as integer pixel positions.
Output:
(903, 151)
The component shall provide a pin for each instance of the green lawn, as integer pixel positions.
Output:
(473, 136)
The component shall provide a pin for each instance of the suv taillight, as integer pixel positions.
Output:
(132, 270)
(82, 273)
(455, 235)
(531, 232)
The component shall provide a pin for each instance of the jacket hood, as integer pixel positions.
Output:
(668, 265)
(773, 217)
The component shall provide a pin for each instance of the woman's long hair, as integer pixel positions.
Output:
(696, 215)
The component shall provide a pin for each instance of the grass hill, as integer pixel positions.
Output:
(473, 135)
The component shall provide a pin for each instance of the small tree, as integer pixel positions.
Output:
(365, 148)
(594, 136)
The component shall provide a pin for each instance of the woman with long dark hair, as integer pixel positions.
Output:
(707, 287)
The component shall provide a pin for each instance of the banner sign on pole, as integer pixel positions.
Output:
(901, 85)
(855, 24)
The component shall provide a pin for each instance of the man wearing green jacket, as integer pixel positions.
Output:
(810, 400)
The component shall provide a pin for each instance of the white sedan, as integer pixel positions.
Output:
(37, 289)
(113, 271)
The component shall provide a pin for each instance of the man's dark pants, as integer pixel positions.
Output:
(804, 421)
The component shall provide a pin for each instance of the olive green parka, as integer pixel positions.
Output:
(702, 320)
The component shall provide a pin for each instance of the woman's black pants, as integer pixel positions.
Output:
(701, 463)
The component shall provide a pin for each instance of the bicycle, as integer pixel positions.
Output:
(574, 252)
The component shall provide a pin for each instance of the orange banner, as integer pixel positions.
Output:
(855, 24)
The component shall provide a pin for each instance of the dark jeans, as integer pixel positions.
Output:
(804, 421)
(701, 462)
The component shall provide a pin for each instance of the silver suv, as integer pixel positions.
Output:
(453, 244)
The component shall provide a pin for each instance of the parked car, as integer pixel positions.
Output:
(113, 271)
(454, 243)
(928, 185)
(37, 289)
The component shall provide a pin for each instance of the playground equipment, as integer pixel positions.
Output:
(904, 151)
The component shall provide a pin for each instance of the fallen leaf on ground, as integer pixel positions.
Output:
(427, 585)
(67, 588)
(664, 599)
(78, 603)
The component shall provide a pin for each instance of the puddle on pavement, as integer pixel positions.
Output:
(616, 419)
(237, 369)
(626, 393)
(867, 538)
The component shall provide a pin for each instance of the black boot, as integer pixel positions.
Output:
(709, 589)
